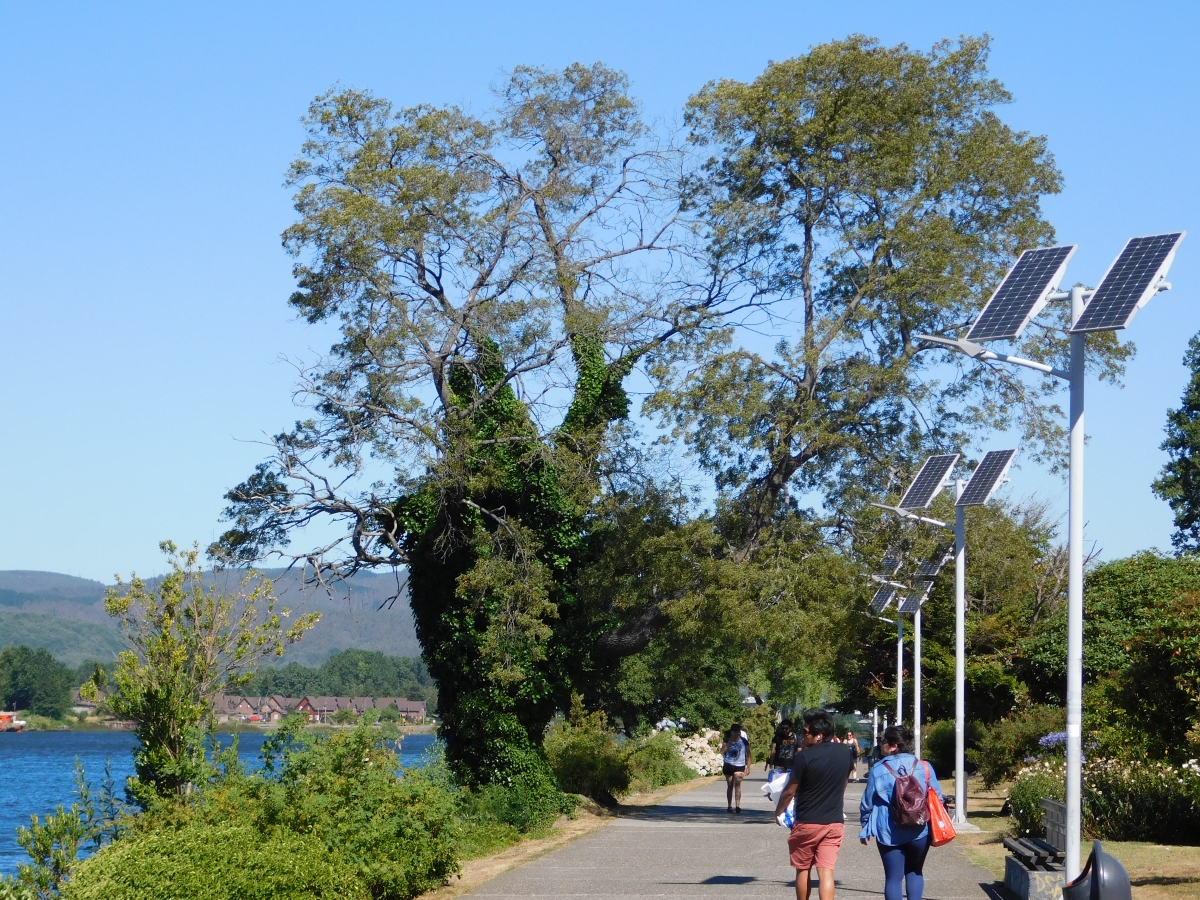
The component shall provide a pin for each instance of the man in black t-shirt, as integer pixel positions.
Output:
(818, 783)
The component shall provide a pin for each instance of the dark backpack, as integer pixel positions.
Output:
(910, 800)
(785, 750)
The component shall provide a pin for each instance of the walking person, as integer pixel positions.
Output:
(735, 763)
(783, 748)
(901, 847)
(818, 783)
(852, 742)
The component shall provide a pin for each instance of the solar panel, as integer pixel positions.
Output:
(890, 564)
(929, 569)
(1022, 294)
(882, 598)
(986, 478)
(1130, 281)
(910, 604)
(928, 481)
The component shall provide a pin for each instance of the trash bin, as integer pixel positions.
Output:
(1103, 878)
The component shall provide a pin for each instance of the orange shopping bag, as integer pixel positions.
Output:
(941, 829)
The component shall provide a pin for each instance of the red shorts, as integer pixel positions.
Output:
(820, 843)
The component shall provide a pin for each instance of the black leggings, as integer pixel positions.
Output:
(902, 867)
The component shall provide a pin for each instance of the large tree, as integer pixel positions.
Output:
(874, 194)
(495, 279)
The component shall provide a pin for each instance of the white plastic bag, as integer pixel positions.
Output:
(776, 783)
(788, 818)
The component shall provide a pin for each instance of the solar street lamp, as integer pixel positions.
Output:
(1135, 276)
(976, 491)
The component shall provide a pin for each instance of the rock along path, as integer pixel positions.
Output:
(688, 845)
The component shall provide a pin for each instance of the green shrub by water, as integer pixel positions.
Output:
(216, 862)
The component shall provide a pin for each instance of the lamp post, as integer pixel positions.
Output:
(1135, 276)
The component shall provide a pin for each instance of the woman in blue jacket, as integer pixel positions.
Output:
(902, 848)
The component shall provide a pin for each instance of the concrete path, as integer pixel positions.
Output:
(689, 846)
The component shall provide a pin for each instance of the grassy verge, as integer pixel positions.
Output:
(1157, 872)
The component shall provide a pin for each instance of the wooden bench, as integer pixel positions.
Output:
(1035, 854)
(1033, 870)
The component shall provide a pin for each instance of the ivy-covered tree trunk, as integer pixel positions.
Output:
(495, 280)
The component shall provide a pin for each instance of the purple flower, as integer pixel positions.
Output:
(1054, 739)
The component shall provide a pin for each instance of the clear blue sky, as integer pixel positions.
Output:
(142, 301)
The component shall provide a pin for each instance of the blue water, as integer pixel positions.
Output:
(37, 772)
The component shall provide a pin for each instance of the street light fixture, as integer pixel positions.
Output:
(976, 491)
(1135, 276)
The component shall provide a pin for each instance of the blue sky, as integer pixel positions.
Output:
(143, 295)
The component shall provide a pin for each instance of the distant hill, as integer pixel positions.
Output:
(66, 615)
(69, 640)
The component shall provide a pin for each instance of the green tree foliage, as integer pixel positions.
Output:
(875, 192)
(495, 279)
(55, 843)
(188, 641)
(1139, 655)
(31, 679)
(1179, 481)
(217, 862)
(350, 673)
(399, 834)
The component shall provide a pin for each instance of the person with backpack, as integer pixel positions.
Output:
(895, 811)
(820, 774)
(735, 763)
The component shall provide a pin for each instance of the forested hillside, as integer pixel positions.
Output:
(66, 616)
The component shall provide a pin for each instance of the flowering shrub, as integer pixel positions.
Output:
(1056, 740)
(1123, 800)
(1044, 778)
(1013, 740)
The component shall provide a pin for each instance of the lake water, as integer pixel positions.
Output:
(37, 772)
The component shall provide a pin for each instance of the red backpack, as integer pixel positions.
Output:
(910, 800)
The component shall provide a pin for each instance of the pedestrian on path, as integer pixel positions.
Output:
(901, 847)
(852, 742)
(735, 763)
(818, 784)
(783, 748)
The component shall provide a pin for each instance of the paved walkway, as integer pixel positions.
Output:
(689, 846)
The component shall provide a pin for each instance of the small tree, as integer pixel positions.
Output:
(1179, 481)
(188, 641)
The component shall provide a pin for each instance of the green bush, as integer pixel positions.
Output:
(1009, 743)
(937, 745)
(1123, 800)
(655, 762)
(1044, 778)
(586, 757)
(224, 862)
(1141, 801)
(400, 834)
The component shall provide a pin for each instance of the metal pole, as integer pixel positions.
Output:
(917, 681)
(960, 660)
(1075, 598)
(899, 669)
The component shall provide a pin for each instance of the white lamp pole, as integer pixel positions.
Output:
(899, 669)
(917, 681)
(960, 659)
(1075, 596)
